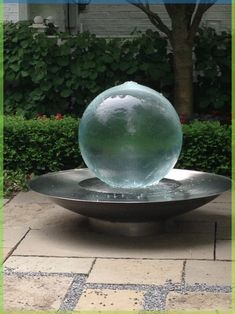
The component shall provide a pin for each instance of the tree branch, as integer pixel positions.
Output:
(201, 9)
(153, 17)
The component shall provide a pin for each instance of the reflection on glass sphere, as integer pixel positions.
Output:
(130, 136)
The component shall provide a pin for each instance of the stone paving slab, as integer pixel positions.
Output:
(81, 242)
(209, 212)
(110, 300)
(225, 197)
(34, 293)
(30, 197)
(35, 215)
(195, 301)
(130, 273)
(224, 250)
(224, 231)
(119, 271)
(7, 251)
(208, 272)
(49, 264)
(12, 236)
(181, 226)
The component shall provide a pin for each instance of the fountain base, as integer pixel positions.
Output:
(129, 229)
(127, 211)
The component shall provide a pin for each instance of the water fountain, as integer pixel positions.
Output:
(130, 138)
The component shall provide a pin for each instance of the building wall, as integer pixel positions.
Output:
(109, 20)
(122, 19)
(219, 17)
(11, 12)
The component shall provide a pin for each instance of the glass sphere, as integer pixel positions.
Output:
(130, 136)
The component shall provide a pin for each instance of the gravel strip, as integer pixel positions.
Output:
(117, 286)
(155, 299)
(73, 294)
(11, 272)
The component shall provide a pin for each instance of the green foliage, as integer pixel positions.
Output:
(14, 181)
(213, 66)
(39, 146)
(63, 74)
(206, 147)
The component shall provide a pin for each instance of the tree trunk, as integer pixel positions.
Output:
(185, 20)
(183, 65)
(183, 73)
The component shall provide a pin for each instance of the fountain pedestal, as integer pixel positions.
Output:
(129, 229)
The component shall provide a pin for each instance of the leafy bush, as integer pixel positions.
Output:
(63, 74)
(39, 146)
(206, 147)
(213, 66)
(14, 181)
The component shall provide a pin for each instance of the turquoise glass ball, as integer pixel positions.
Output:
(130, 136)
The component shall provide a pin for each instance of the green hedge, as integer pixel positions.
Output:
(206, 147)
(39, 146)
(44, 145)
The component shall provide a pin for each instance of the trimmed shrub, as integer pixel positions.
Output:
(206, 147)
(44, 145)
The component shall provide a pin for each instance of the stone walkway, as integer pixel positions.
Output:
(54, 262)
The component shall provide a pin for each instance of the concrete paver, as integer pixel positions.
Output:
(224, 231)
(6, 252)
(224, 249)
(110, 300)
(35, 215)
(181, 226)
(61, 242)
(49, 264)
(209, 212)
(13, 235)
(81, 242)
(118, 271)
(208, 272)
(198, 301)
(225, 197)
(34, 293)
(30, 197)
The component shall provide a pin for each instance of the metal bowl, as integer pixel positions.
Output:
(179, 192)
